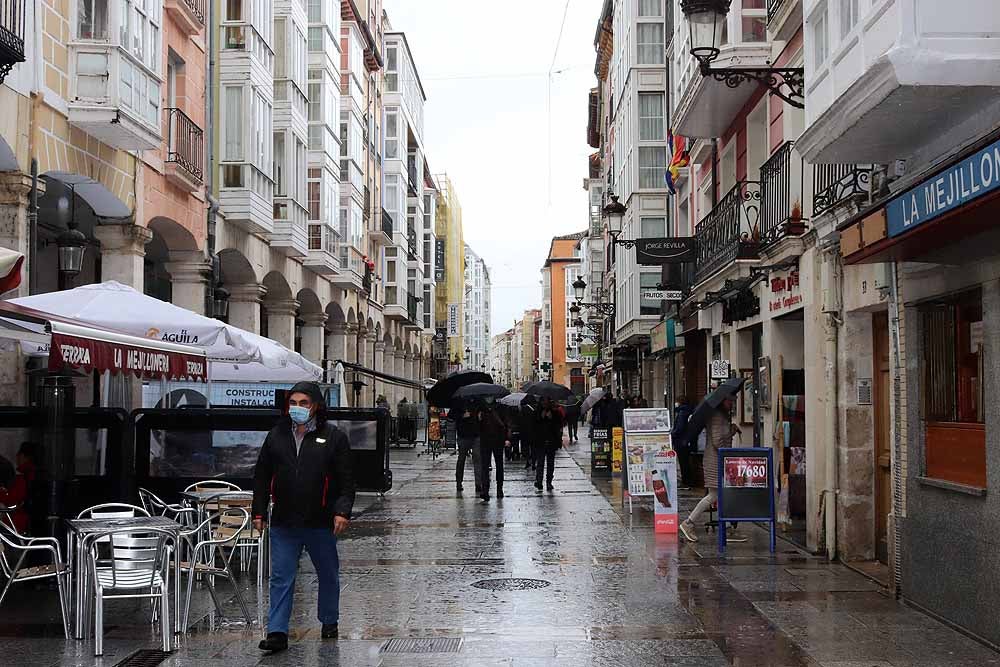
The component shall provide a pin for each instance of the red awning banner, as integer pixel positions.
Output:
(91, 353)
(10, 269)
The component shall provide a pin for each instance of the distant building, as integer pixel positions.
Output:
(476, 332)
(559, 359)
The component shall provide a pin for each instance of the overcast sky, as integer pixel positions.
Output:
(484, 68)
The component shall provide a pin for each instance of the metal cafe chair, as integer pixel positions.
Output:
(249, 541)
(208, 556)
(13, 543)
(136, 565)
(156, 506)
(112, 511)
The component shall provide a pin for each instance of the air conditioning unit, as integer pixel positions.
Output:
(882, 276)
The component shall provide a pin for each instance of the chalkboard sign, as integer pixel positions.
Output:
(746, 488)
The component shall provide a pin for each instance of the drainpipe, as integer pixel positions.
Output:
(831, 311)
(209, 171)
(897, 425)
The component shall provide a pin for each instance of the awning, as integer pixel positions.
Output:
(104, 203)
(10, 269)
(382, 377)
(91, 348)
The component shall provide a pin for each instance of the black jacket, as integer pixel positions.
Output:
(549, 429)
(308, 489)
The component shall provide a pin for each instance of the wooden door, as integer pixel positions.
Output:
(883, 466)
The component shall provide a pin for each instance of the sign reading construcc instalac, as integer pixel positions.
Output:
(673, 250)
(959, 184)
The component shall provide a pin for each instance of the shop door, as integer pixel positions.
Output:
(883, 467)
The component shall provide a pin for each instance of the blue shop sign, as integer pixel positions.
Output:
(960, 184)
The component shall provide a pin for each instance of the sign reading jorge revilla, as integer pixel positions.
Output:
(957, 185)
(672, 250)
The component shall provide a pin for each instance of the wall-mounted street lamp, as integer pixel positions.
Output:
(71, 244)
(706, 20)
(579, 290)
(220, 302)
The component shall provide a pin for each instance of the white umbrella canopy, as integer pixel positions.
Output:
(591, 400)
(125, 309)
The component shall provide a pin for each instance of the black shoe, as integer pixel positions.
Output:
(331, 631)
(485, 497)
(276, 641)
(538, 485)
(499, 494)
(549, 486)
(458, 488)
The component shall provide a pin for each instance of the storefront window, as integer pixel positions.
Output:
(952, 389)
(952, 362)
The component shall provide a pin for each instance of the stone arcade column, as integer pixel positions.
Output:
(190, 274)
(337, 342)
(123, 248)
(244, 306)
(371, 340)
(380, 366)
(400, 392)
(350, 349)
(14, 190)
(389, 368)
(409, 374)
(312, 337)
(281, 321)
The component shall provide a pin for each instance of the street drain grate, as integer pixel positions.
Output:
(510, 584)
(435, 645)
(144, 658)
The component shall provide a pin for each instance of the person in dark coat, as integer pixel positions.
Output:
(678, 438)
(304, 469)
(16, 491)
(529, 432)
(548, 425)
(572, 421)
(466, 418)
(494, 437)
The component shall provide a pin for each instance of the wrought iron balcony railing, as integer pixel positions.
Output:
(729, 232)
(11, 35)
(781, 196)
(411, 308)
(772, 9)
(185, 142)
(837, 183)
(411, 244)
(386, 223)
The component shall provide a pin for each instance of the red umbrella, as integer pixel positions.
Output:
(10, 269)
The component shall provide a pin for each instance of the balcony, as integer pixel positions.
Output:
(412, 314)
(322, 255)
(784, 18)
(352, 269)
(838, 184)
(396, 307)
(189, 15)
(11, 35)
(185, 151)
(727, 234)
(109, 93)
(411, 245)
(291, 233)
(366, 281)
(882, 90)
(781, 196)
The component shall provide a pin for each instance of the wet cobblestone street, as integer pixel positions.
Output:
(616, 594)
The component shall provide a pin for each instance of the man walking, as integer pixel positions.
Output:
(549, 429)
(494, 435)
(467, 429)
(304, 468)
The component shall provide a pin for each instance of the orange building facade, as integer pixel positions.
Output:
(562, 267)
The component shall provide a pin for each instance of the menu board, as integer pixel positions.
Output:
(640, 450)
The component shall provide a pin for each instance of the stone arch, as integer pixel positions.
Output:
(236, 269)
(277, 287)
(352, 318)
(370, 325)
(308, 302)
(335, 314)
(175, 236)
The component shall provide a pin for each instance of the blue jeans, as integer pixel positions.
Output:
(286, 549)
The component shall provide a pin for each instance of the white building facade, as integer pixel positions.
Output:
(478, 293)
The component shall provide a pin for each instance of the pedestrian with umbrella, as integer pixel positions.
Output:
(465, 417)
(511, 405)
(492, 432)
(715, 415)
(548, 426)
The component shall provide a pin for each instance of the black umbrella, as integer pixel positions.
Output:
(700, 416)
(440, 394)
(480, 390)
(551, 390)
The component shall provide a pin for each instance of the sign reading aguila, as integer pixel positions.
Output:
(961, 183)
(787, 291)
(745, 472)
(670, 250)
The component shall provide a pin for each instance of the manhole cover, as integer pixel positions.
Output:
(144, 658)
(434, 645)
(510, 584)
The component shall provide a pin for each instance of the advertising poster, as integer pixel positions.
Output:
(745, 472)
(664, 484)
(647, 420)
(640, 449)
(617, 449)
(600, 451)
